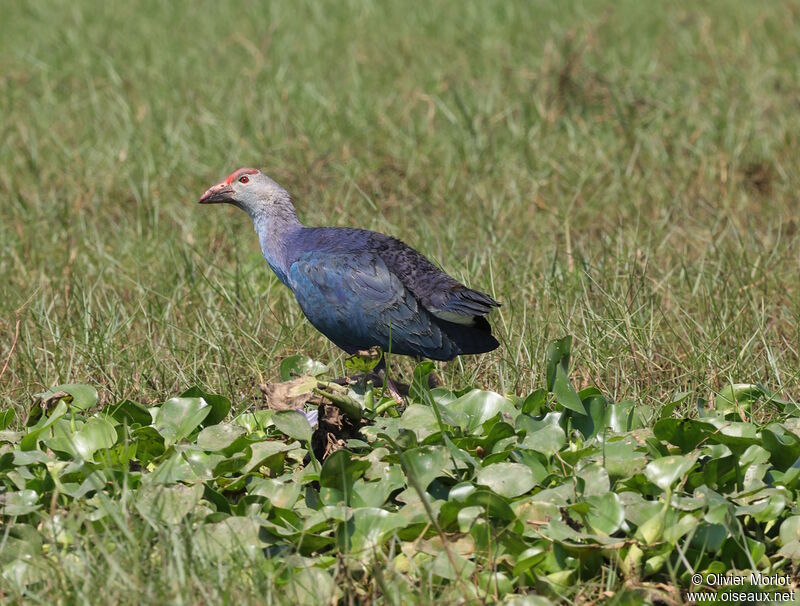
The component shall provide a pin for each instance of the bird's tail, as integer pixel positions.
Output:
(475, 339)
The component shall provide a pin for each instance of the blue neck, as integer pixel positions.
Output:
(276, 233)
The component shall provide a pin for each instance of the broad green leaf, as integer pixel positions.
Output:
(425, 463)
(782, 444)
(790, 530)
(179, 417)
(130, 412)
(19, 502)
(219, 437)
(606, 513)
(479, 406)
(82, 397)
(367, 529)
(535, 402)
(739, 395)
(545, 436)
(6, 418)
(220, 405)
(97, 433)
(167, 504)
(234, 535)
(565, 393)
(339, 472)
(293, 424)
(507, 479)
(558, 353)
(298, 365)
(667, 471)
(31, 438)
(686, 434)
(310, 586)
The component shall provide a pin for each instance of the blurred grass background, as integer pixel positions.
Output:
(625, 172)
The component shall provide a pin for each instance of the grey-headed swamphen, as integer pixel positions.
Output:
(361, 288)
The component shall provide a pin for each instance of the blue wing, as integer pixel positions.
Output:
(355, 301)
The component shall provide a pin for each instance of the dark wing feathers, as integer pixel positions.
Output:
(440, 294)
(356, 302)
(384, 292)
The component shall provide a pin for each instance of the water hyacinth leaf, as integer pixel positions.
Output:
(96, 434)
(149, 443)
(606, 513)
(507, 479)
(545, 436)
(177, 418)
(367, 529)
(167, 504)
(310, 586)
(790, 530)
(19, 502)
(558, 353)
(219, 437)
(737, 396)
(298, 365)
(233, 535)
(339, 473)
(6, 418)
(666, 471)
(479, 406)
(686, 434)
(283, 494)
(82, 397)
(623, 417)
(425, 463)
(293, 424)
(130, 412)
(220, 405)
(565, 393)
(31, 438)
(782, 444)
(535, 402)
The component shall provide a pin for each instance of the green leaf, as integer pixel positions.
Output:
(565, 393)
(130, 412)
(82, 397)
(606, 513)
(167, 504)
(425, 463)
(367, 529)
(30, 440)
(19, 502)
(293, 424)
(220, 405)
(6, 418)
(738, 395)
(686, 434)
(535, 402)
(479, 406)
(298, 365)
(507, 479)
(666, 471)
(339, 472)
(179, 417)
(219, 437)
(558, 353)
(97, 433)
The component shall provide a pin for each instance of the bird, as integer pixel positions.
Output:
(361, 289)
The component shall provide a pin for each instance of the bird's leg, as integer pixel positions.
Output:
(395, 390)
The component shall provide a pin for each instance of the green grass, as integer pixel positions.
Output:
(626, 173)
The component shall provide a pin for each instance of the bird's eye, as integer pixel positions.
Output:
(244, 179)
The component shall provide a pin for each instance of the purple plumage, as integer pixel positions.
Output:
(361, 288)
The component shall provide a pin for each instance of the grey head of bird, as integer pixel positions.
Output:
(252, 191)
